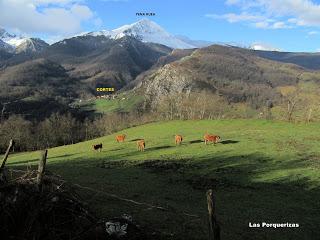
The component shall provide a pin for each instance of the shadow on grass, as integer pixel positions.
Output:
(60, 156)
(136, 139)
(159, 148)
(181, 184)
(23, 162)
(229, 142)
(112, 150)
(195, 141)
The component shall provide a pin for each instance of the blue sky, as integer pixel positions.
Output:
(287, 25)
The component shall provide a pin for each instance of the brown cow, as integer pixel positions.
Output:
(141, 145)
(211, 138)
(120, 138)
(97, 147)
(178, 139)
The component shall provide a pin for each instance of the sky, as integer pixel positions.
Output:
(285, 25)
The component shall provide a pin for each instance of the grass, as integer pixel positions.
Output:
(113, 105)
(261, 171)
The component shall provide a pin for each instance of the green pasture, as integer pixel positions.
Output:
(123, 103)
(261, 171)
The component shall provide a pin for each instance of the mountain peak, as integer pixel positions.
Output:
(14, 43)
(145, 21)
(4, 34)
(147, 24)
(145, 30)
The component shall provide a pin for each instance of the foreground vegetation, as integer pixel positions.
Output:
(261, 171)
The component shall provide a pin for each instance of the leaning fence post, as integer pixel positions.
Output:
(214, 228)
(42, 166)
(2, 172)
(11, 143)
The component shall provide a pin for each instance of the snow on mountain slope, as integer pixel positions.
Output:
(10, 39)
(146, 31)
(31, 45)
(5, 35)
(5, 46)
(14, 43)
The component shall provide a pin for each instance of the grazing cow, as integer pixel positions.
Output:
(141, 145)
(211, 138)
(120, 138)
(97, 147)
(178, 139)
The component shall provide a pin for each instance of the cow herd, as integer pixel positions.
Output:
(178, 140)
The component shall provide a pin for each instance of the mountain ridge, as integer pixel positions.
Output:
(17, 44)
(235, 73)
(145, 31)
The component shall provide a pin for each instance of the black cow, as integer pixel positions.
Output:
(97, 147)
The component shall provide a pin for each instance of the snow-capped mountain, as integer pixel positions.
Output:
(5, 35)
(31, 45)
(5, 46)
(146, 31)
(18, 44)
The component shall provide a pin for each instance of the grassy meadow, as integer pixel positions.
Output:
(261, 171)
(124, 103)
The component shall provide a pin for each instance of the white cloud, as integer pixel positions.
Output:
(267, 24)
(232, 2)
(115, 0)
(306, 12)
(81, 11)
(58, 2)
(284, 13)
(263, 24)
(232, 17)
(311, 33)
(52, 17)
(280, 25)
(263, 47)
(258, 21)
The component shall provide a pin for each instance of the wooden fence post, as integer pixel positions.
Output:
(11, 143)
(214, 228)
(42, 166)
(4, 160)
(2, 172)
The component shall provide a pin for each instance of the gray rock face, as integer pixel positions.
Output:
(169, 79)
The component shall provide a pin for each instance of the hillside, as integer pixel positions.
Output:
(235, 73)
(72, 68)
(102, 62)
(306, 60)
(256, 175)
(155, 71)
(36, 89)
(96, 60)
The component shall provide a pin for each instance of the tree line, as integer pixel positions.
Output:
(294, 104)
(61, 129)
